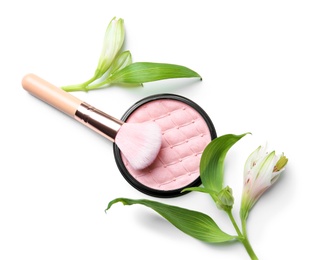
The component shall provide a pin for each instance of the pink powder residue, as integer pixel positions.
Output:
(185, 135)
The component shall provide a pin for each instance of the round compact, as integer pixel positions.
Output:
(186, 131)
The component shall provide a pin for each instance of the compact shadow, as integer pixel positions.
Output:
(186, 131)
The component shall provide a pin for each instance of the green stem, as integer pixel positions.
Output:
(230, 214)
(242, 236)
(244, 227)
(249, 249)
(98, 85)
(78, 87)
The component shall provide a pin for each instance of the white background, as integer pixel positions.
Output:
(259, 61)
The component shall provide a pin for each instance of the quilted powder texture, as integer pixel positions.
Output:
(185, 135)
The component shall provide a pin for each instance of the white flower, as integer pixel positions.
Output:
(113, 41)
(261, 171)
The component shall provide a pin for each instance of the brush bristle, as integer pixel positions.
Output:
(139, 143)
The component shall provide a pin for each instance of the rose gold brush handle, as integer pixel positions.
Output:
(93, 118)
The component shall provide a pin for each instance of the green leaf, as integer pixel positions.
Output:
(212, 193)
(212, 161)
(193, 223)
(142, 72)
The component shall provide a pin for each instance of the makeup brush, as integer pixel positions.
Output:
(139, 142)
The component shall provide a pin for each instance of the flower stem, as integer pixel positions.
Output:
(242, 236)
(244, 226)
(79, 87)
(230, 214)
(98, 85)
(249, 249)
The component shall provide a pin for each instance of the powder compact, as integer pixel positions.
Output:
(186, 131)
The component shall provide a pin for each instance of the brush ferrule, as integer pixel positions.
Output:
(98, 121)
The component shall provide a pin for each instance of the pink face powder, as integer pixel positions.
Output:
(186, 131)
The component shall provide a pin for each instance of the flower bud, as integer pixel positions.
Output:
(225, 199)
(121, 61)
(113, 41)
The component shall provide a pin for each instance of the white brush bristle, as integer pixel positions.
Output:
(139, 143)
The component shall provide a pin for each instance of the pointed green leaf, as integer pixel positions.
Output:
(142, 72)
(193, 223)
(212, 161)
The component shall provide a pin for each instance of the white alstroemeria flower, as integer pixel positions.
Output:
(261, 171)
(113, 41)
